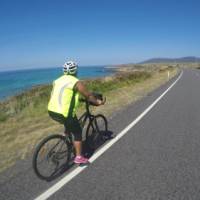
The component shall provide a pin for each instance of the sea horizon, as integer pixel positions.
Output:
(16, 81)
(47, 67)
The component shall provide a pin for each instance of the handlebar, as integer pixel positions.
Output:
(97, 95)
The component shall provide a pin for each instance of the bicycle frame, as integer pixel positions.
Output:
(86, 115)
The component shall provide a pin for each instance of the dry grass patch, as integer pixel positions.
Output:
(121, 97)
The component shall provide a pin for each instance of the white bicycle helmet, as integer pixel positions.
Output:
(70, 67)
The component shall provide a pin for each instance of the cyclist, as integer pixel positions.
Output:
(63, 103)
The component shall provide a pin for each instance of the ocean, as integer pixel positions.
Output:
(14, 82)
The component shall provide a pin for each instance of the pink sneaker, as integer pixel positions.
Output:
(80, 160)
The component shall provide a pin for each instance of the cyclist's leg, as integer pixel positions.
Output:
(77, 132)
(72, 125)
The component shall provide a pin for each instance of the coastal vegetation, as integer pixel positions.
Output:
(24, 119)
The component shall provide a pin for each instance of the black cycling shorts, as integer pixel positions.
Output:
(71, 124)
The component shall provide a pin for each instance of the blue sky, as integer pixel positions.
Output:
(47, 32)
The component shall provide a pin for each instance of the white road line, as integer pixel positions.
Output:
(75, 172)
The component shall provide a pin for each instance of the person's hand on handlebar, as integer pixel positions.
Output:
(96, 101)
(91, 97)
(101, 102)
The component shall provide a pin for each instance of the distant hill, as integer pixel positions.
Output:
(189, 59)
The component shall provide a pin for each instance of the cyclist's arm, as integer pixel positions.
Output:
(80, 87)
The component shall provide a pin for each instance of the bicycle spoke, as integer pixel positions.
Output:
(96, 131)
(51, 157)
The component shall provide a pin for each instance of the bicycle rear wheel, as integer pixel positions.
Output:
(96, 130)
(50, 157)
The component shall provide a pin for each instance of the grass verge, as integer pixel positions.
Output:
(24, 119)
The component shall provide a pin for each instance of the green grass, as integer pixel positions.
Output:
(119, 80)
(32, 100)
(33, 103)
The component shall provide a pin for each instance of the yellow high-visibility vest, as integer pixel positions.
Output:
(64, 100)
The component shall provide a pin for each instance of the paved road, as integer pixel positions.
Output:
(157, 159)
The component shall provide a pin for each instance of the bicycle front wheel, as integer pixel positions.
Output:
(50, 156)
(96, 131)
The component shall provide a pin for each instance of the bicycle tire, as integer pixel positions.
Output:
(50, 155)
(95, 131)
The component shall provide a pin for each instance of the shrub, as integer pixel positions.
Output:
(35, 101)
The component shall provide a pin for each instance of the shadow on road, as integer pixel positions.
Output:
(89, 149)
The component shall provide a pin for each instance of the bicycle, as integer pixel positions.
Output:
(57, 151)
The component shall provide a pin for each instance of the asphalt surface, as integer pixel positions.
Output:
(157, 159)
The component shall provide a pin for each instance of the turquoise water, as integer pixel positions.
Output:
(14, 82)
